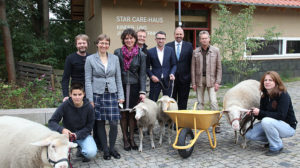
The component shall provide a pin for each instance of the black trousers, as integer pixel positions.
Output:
(156, 88)
(181, 93)
(113, 132)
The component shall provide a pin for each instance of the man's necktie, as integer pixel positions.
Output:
(178, 51)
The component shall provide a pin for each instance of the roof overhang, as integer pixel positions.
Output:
(77, 6)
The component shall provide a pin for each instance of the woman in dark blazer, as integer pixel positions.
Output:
(133, 68)
(104, 91)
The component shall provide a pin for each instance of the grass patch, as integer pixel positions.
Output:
(290, 79)
(35, 94)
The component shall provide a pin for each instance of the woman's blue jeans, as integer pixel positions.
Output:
(270, 130)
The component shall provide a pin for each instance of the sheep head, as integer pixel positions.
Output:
(57, 148)
(164, 102)
(140, 110)
(234, 115)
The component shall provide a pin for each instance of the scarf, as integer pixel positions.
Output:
(128, 55)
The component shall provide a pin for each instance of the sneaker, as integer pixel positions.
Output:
(273, 153)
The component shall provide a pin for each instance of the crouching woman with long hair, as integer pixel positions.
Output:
(276, 114)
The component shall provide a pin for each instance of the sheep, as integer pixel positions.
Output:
(165, 103)
(239, 99)
(146, 113)
(28, 144)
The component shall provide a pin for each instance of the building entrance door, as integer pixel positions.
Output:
(192, 35)
(194, 18)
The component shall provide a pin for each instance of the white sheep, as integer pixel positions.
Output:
(146, 113)
(24, 143)
(239, 99)
(165, 103)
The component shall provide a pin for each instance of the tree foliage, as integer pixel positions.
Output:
(232, 37)
(25, 23)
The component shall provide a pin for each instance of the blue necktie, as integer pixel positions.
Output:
(178, 51)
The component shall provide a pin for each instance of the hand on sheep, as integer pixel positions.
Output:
(67, 132)
(172, 77)
(121, 101)
(216, 87)
(142, 97)
(255, 111)
(154, 79)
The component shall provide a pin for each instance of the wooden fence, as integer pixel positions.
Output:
(30, 71)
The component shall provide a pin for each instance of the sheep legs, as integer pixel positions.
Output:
(141, 139)
(151, 136)
(161, 132)
(236, 135)
(150, 128)
(170, 132)
(244, 144)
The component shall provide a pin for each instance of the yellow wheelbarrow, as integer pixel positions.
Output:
(199, 121)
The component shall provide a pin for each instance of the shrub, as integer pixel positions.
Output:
(35, 94)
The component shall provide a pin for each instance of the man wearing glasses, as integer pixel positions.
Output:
(161, 67)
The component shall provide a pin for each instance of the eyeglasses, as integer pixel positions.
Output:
(160, 38)
(102, 43)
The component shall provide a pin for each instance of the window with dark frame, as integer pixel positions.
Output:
(292, 46)
(272, 48)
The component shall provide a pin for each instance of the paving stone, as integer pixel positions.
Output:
(226, 154)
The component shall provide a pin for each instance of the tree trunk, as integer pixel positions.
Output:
(10, 62)
(45, 19)
(37, 17)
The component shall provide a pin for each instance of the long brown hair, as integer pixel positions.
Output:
(279, 86)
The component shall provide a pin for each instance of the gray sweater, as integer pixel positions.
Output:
(96, 79)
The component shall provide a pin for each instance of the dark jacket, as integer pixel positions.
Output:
(145, 50)
(74, 69)
(169, 63)
(284, 110)
(137, 71)
(183, 71)
(78, 120)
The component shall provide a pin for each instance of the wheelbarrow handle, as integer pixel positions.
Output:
(195, 105)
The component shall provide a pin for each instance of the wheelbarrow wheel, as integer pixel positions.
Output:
(185, 136)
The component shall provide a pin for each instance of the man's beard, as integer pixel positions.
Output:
(82, 51)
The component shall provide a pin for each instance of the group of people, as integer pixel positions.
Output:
(107, 86)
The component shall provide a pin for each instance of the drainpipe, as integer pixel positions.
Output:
(179, 13)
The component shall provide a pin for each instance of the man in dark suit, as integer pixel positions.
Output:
(162, 61)
(184, 53)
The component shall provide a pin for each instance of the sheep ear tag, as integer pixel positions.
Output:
(44, 142)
